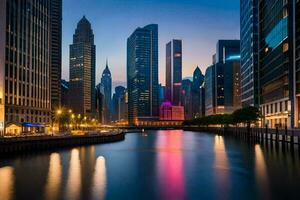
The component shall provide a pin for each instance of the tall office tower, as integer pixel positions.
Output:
(56, 37)
(100, 103)
(186, 98)
(142, 74)
(249, 52)
(198, 79)
(162, 92)
(82, 69)
(210, 87)
(65, 99)
(202, 100)
(277, 75)
(174, 71)
(106, 81)
(25, 65)
(227, 76)
(116, 103)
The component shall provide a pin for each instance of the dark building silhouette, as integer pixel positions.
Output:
(65, 98)
(186, 98)
(210, 87)
(198, 79)
(100, 102)
(117, 100)
(222, 79)
(162, 92)
(82, 69)
(202, 100)
(26, 69)
(142, 74)
(106, 82)
(249, 53)
(56, 38)
(174, 71)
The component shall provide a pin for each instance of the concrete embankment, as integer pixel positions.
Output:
(31, 144)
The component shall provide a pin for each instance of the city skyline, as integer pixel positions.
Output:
(198, 23)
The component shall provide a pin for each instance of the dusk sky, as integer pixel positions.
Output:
(199, 23)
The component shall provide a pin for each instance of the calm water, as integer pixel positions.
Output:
(161, 165)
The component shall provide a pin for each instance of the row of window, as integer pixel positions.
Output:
(275, 108)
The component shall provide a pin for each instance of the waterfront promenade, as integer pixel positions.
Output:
(24, 144)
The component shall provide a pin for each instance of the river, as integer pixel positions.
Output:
(167, 164)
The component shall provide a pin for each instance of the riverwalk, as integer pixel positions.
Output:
(25, 144)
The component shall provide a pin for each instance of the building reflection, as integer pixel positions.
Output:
(261, 173)
(6, 183)
(170, 165)
(221, 166)
(99, 180)
(52, 188)
(73, 187)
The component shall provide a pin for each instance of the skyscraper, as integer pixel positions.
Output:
(222, 79)
(198, 80)
(25, 65)
(106, 82)
(142, 74)
(227, 76)
(56, 37)
(278, 72)
(118, 96)
(100, 102)
(249, 53)
(186, 97)
(174, 71)
(210, 87)
(82, 69)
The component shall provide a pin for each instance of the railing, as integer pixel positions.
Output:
(285, 135)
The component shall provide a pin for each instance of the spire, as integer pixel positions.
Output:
(106, 62)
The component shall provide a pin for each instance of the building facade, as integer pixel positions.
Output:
(174, 71)
(25, 64)
(249, 52)
(82, 69)
(106, 82)
(100, 103)
(171, 113)
(186, 98)
(227, 76)
(56, 39)
(278, 100)
(65, 99)
(210, 94)
(198, 79)
(117, 99)
(142, 74)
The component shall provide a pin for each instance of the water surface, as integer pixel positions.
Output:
(155, 165)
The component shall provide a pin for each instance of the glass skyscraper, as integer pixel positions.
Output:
(82, 69)
(276, 63)
(210, 94)
(222, 79)
(142, 74)
(174, 71)
(249, 52)
(26, 36)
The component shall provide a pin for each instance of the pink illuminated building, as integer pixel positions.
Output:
(171, 113)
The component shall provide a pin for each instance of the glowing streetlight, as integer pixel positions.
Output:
(59, 112)
(70, 111)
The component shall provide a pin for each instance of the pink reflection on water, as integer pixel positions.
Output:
(170, 166)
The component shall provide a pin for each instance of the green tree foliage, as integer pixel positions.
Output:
(245, 115)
